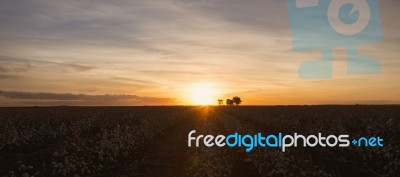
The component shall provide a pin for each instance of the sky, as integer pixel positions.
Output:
(148, 52)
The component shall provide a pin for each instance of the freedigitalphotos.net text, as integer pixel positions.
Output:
(280, 141)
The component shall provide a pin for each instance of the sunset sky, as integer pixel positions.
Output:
(172, 52)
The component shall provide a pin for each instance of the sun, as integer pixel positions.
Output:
(203, 94)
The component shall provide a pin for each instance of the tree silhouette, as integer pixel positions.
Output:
(220, 102)
(229, 102)
(237, 100)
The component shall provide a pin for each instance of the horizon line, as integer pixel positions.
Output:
(356, 104)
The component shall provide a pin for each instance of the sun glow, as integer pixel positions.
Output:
(203, 94)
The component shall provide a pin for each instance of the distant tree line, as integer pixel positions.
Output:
(230, 102)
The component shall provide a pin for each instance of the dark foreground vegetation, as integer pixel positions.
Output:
(152, 141)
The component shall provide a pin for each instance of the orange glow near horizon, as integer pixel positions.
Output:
(203, 94)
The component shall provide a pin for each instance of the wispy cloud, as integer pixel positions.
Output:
(14, 64)
(9, 76)
(84, 99)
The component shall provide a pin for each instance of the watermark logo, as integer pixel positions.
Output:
(327, 24)
(280, 140)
